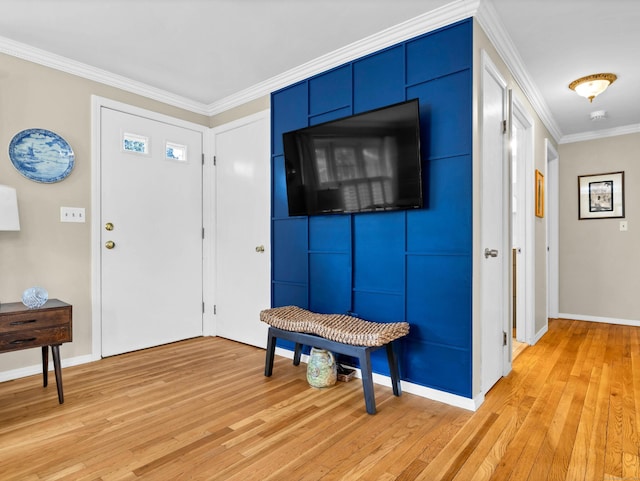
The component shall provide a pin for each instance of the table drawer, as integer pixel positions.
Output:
(35, 320)
(34, 338)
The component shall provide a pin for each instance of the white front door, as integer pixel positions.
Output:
(243, 219)
(151, 232)
(494, 225)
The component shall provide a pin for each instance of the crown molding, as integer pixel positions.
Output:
(493, 27)
(453, 12)
(440, 17)
(600, 134)
(64, 64)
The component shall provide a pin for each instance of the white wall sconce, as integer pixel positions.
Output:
(591, 86)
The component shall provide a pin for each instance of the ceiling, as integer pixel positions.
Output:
(201, 54)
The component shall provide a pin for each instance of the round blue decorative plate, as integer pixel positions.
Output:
(41, 155)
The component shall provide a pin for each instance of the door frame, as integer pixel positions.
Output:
(526, 327)
(97, 103)
(551, 203)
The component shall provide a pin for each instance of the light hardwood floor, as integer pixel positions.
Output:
(201, 409)
(518, 347)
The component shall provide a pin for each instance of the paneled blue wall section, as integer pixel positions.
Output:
(407, 265)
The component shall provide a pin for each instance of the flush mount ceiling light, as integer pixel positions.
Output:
(591, 86)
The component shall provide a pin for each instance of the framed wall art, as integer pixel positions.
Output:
(601, 196)
(539, 194)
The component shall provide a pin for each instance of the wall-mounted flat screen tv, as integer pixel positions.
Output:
(367, 162)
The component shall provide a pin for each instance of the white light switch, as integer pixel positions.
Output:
(72, 214)
(623, 226)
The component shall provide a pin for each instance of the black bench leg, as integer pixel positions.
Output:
(296, 354)
(393, 369)
(367, 381)
(271, 349)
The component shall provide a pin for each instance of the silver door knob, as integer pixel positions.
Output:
(490, 253)
(260, 249)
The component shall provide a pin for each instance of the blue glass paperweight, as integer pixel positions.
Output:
(35, 297)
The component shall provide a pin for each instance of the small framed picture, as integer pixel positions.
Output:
(601, 196)
(539, 194)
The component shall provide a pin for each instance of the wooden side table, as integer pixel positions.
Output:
(49, 325)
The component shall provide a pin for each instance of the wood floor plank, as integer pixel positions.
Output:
(475, 465)
(522, 453)
(415, 434)
(613, 449)
(578, 462)
(202, 409)
(630, 435)
(452, 457)
(497, 450)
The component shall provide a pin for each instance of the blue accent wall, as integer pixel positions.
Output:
(391, 266)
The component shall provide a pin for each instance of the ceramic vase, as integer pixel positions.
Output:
(321, 368)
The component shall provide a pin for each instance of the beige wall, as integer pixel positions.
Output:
(599, 264)
(242, 111)
(481, 42)
(46, 252)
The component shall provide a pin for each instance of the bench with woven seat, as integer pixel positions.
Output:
(338, 333)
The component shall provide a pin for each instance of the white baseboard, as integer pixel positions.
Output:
(540, 333)
(422, 391)
(441, 396)
(607, 320)
(37, 368)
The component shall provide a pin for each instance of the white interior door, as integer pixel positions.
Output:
(523, 218)
(518, 226)
(494, 225)
(243, 213)
(151, 210)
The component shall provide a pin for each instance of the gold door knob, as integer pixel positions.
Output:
(109, 244)
(260, 249)
(108, 226)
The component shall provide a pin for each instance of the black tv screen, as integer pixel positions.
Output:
(367, 162)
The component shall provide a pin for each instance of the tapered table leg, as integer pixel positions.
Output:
(45, 365)
(55, 351)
